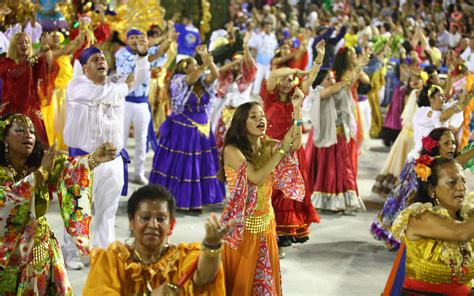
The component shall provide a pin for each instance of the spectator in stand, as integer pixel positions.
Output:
(443, 38)
(454, 35)
(188, 38)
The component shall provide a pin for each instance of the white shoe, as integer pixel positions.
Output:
(74, 263)
(141, 180)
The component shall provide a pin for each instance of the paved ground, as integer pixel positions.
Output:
(341, 258)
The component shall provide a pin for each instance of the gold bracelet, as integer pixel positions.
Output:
(208, 252)
(44, 173)
(92, 162)
(172, 286)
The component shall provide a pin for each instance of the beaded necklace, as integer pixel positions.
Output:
(260, 156)
(139, 260)
(19, 175)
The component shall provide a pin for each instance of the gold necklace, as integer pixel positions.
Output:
(19, 175)
(259, 157)
(140, 261)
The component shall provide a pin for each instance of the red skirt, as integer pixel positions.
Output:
(332, 175)
(293, 218)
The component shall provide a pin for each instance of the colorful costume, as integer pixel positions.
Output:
(231, 93)
(423, 124)
(186, 160)
(30, 258)
(397, 156)
(250, 256)
(375, 69)
(330, 149)
(293, 218)
(434, 265)
(22, 85)
(129, 277)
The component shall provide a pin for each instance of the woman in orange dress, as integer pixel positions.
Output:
(149, 264)
(253, 167)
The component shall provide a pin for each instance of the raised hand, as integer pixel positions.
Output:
(106, 152)
(142, 44)
(321, 50)
(202, 50)
(47, 162)
(297, 98)
(215, 232)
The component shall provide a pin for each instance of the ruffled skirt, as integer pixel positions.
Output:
(186, 163)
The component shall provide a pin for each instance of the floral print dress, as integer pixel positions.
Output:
(30, 258)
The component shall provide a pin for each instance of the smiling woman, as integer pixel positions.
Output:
(150, 264)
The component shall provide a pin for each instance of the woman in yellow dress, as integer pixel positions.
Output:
(438, 231)
(150, 265)
(54, 114)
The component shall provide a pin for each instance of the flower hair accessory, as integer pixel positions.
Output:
(422, 169)
(429, 143)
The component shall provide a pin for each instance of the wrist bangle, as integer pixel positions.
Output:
(298, 122)
(44, 173)
(92, 162)
(211, 246)
(172, 286)
(209, 252)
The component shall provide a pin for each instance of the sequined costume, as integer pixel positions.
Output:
(250, 256)
(30, 258)
(434, 265)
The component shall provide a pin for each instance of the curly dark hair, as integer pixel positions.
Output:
(150, 192)
(237, 135)
(34, 160)
(436, 134)
(422, 193)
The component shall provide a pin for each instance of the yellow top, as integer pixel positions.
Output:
(115, 272)
(350, 40)
(428, 260)
(65, 71)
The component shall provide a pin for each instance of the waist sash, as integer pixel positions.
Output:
(126, 160)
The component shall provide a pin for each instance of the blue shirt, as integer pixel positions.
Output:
(188, 39)
(125, 63)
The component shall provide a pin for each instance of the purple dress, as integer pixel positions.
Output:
(186, 161)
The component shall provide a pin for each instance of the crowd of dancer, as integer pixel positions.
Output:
(225, 119)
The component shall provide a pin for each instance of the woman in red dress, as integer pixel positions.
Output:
(25, 77)
(293, 218)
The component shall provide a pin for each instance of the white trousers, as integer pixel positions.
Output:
(262, 72)
(139, 114)
(107, 183)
